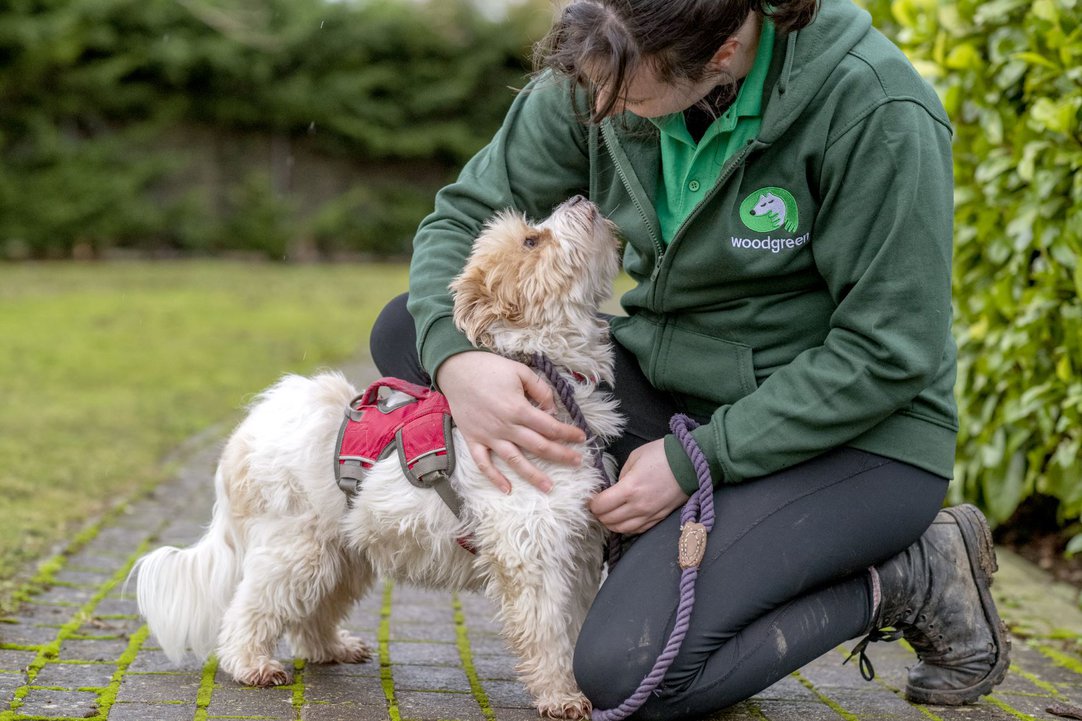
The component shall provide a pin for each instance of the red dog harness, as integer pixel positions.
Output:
(416, 424)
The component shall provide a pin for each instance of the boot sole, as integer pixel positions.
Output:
(982, 561)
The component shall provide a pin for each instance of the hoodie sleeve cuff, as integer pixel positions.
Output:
(440, 342)
(681, 465)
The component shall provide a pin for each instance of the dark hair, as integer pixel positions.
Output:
(612, 38)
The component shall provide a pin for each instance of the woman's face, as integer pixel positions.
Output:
(649, 97)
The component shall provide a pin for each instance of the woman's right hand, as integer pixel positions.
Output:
(503, 407)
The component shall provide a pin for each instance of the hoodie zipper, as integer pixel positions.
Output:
(614, 154)
(659, 248)
(734, 162)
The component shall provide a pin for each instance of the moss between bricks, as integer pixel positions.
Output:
(1013, 668)
(37, 602)
(1000, 703)
(79, 662)
(206, 689)
(466, 654)
(994, 700)
(756, 711)
(86, 569)
(116, 616)
(1038, 682)
(834, 705)
(50, 651)
(59, 718)
(384, 638)
(108, 696)
(1012, 711)
(298, 685)
(1060, 658)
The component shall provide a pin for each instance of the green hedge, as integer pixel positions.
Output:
(89, 88)
(1010, 75)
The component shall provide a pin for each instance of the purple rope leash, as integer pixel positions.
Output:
(566, 394)
(697, 512)
(696, 520)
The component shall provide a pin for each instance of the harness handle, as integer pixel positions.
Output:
(371, 394)
(370, 398)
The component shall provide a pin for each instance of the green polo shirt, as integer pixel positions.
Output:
(689, 170)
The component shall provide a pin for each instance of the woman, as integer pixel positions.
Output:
(782, 179)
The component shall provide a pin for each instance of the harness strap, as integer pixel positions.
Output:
(442, 486)
(432, 469)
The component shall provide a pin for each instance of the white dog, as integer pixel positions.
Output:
(286, 555)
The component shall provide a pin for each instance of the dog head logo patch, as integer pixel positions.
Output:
(768, 209)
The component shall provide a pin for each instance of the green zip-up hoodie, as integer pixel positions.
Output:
(805, 304)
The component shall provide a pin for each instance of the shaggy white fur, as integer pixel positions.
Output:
(285, 554)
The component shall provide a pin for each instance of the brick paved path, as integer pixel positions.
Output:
(76, 648)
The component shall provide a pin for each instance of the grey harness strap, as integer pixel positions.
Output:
(431, 470)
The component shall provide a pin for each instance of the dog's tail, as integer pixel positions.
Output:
(183, 593)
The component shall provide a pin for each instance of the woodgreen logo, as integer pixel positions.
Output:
(768, 209)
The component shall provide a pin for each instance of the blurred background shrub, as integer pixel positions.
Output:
(170, 126)
(1010, 75)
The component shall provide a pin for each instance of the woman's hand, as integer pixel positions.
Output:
(502, 407)
(646, 492)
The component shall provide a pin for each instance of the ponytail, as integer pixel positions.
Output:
(791, 15)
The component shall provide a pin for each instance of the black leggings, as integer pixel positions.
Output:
(783, 580)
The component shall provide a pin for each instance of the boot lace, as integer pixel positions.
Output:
(865, 663)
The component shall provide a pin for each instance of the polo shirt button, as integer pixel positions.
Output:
(693, 186)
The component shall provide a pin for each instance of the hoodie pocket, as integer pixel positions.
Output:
(701, 366)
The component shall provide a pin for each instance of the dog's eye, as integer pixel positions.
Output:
(530, 241)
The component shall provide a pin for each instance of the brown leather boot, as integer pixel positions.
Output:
(935, 594)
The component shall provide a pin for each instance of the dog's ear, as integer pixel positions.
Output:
(485, 292)
(475, 308)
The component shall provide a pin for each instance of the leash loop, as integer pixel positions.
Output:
(696, 519)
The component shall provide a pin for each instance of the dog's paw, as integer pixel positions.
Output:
(351, 649)
(565, 706)
(266, 672)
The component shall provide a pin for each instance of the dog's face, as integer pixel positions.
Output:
(523, 275)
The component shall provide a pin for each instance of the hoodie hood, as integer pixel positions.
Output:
(806, 58)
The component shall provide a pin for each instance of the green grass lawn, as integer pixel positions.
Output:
(106, 368)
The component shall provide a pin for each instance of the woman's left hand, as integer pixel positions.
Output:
(646, 493)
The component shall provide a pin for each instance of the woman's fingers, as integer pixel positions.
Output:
(646, 493)
(483, 458)
(503, 409)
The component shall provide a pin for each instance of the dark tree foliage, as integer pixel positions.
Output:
(89, 88)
